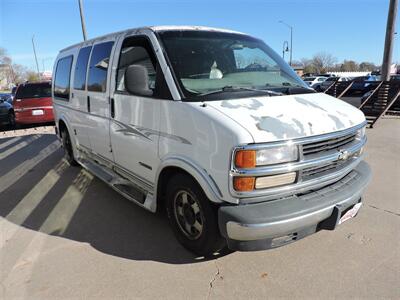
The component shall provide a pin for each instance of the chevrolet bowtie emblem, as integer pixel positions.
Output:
(343, 154)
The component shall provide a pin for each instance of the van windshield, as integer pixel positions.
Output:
(208, 62)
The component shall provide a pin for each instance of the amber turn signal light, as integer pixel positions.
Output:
(245, 159)
(243, 184)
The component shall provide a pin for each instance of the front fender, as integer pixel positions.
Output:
(203, 178)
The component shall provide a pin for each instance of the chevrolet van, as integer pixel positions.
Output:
(214, 127)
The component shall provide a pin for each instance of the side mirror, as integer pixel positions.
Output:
(137, 80)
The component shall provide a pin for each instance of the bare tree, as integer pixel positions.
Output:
(20, 73)
(349, 66)
(367, 66)
(323, 62)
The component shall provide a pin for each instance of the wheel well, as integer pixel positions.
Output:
(61, 127)
(163, 179)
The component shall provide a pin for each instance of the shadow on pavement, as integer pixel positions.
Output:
(42, 192)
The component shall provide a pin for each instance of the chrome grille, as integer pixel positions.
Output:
(326, 145)
(311, 172)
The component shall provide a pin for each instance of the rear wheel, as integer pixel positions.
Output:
(192, 216)
(68, 148)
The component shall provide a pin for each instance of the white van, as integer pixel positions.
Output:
(215, 127)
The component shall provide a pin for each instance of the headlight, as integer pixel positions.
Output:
(276, 155)
(360, 133)
(266, 156)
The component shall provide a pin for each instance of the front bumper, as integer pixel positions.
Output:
(278, 222)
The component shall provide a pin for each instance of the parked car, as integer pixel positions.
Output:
(239, 152)
(395, 77)
(312, 81)
(328, 82)
(33, 103)
(13, 91)
(6, 111)
(362, 84)
(6, 97)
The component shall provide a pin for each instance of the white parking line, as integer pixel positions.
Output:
(9, 142)
(25, 207)
(15, 148)
(15, 174)
(57, 221)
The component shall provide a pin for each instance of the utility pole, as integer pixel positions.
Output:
(34, 52)
(82, 20)
(390, 32)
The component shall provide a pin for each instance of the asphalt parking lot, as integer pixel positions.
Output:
(65, 234)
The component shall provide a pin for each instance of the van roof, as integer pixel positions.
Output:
(155, 29)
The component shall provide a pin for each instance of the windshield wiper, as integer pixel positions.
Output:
(229, 88)
(292, 89)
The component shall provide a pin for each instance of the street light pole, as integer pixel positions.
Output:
(34, 52)
(291, 41)
(285, 48)
(82, 20)
(390, 32)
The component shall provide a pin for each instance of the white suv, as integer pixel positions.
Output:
(311, 81)
(215, 127)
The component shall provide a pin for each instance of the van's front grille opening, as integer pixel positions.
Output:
(330, 144)
(308, 173)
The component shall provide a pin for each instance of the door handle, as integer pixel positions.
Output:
(112, 108)
(88, 103)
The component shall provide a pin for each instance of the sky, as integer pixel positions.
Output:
(347, 29)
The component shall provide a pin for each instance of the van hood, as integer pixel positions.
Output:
(277, 118)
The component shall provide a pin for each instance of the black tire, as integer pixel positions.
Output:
(197, 212)
(67, 145)
(11, 120)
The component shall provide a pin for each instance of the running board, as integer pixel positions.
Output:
(126, 188)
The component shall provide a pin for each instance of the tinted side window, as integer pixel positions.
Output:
(62, 78)
(81, 68)
(99, 61)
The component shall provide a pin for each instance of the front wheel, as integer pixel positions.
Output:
(192, 216)
(68, 150)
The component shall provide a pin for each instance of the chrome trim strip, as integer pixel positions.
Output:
(295, 166)
(282, 191)
(32, 108)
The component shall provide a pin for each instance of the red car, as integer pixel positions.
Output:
(33, 103)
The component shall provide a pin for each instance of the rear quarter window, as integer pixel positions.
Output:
(62, 78)
(34, 90)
